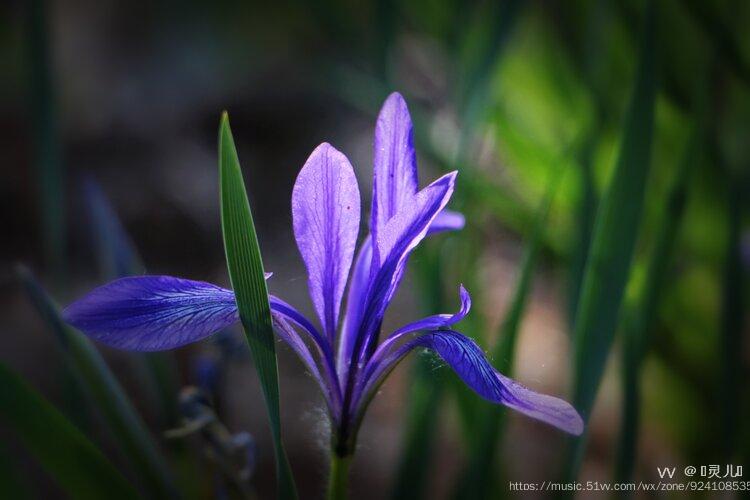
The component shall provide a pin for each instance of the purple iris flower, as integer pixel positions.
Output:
(343, 353)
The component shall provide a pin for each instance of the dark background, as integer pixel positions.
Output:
(134, 98)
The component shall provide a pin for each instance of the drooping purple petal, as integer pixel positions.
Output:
(447, 220)
(325, 212)
(324, 348)
(470, 364)
(392, 248)
(438, 320)
(549, 409)
(429, 323)
(291, 314)
(152, 313)
(287, 333)
(355, 304)
(395, 162)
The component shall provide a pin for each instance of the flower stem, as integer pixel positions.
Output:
(339, 481)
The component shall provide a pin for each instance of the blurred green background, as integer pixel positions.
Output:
(604, 159)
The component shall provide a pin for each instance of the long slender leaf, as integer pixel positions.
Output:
(705, 15)
(732, 316)
(106, 394)
(585, 216)
(479, 477)
(426, 397)
(117, 257)
(637, 324)
(246, 274)
(46, 137)
(498, 19)
(616, 230)
(114, 250)
(11, 484)
(63, 451)
(426, 392)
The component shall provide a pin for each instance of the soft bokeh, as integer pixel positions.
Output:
(516, 95)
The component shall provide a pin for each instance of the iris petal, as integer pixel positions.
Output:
(391, 250)
(395, 162)
(152, 313)
(325, 212)
(438, 320)
(324, 348)
(447, 220)
(468, 361)
(429, 323)
(355, 305)
(409, 227)
(288, 334)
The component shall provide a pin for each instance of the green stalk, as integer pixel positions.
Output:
(477, 480)
(338, 483)
(117, 258)
(637, 324)
(425, 392)
(585, 215)
(12, 478)
(107, 395)
(46, 138)
(732, 315)
(615, 233)
(78, 467)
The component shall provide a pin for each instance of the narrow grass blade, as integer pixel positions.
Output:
(428, 386)
(114, 250)
(11, 478)
(386, 13)
(585, 215)
(732, 317)
(77, 466)
(481, 57)
(704, 14)
(480, 475)
(107, 395)
(616, 230)
(246, 274)
(46, 137)
(427, 390)
(426, 396)
(117, 258)
(637, 323)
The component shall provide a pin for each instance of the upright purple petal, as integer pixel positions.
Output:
(152, 313)
(325, 212)
(447, 220)
(409, 226)
(355, 304)
(470, 364)
(395, 162)
(391, 250)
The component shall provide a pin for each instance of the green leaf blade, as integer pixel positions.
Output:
(615, 233)
(106, 393)
(64, 452)
(248, 282)
(637, 324)
(480, 474)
